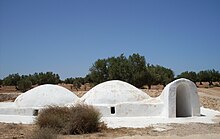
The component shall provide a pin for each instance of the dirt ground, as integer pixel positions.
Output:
(19, 131)
(209, 98)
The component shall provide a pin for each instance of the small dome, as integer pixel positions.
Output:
(113, 92)
(46, 95)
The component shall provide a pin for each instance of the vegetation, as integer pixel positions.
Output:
(84, 119)
(76, 82)
(191, 75)
(53, 117)
(209, 76)
(1, 81)
(159, 75)
(132, 69)
(24, 85)
(24, 82)
(47, 78)
(11, 79)
(78, 119)
(46, 133)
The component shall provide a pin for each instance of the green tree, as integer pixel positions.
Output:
(138, 71)
(99, 71)
(132, 70)
(87, 79)
(48, 78)
(24, 85)
(151, 75)
(158, 75)
(76, 84)
(140, 79)
(163, 75)
(119, 68)
(215, 75)
(205, 76)
(11, 79)
(69, 80)
(81, 80)
(191, 75)
(34, 78)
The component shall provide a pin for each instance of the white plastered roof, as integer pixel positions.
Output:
(114, 92)
(46, 95)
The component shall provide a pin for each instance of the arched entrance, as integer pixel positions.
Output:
(183, 101)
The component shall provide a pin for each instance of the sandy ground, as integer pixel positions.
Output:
(209, 98)
(191, 131)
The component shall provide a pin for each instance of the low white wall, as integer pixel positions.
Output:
(7, 104)
(105, 110)
(10, 108)
(130, 109)
(18, 111)
(138, 109)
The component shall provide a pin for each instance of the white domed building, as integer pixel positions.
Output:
(113, 92)
(44, 95)
(120, 99)
(27, 105)
(112, 98)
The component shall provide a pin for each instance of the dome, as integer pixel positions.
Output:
(46, 95)
(113, 92)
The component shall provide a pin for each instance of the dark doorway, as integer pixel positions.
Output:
(183, 101)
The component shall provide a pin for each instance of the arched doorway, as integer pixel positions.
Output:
(183, 101)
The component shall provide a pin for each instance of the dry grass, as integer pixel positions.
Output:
(84, 119)
(43, 133)
(54, 117)
(78, 119)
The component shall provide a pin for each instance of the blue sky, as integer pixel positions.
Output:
(68, 36)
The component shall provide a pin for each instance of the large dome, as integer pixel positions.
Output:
(113, 92)
(46, 95)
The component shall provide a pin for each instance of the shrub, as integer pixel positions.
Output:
(84, 119)
(24, 85)
(45, 133)
(78, 119)
(54, 117)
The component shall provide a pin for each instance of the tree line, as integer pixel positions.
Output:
(25, 82)
(136, 71)
(209, 76)
(132, 69)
